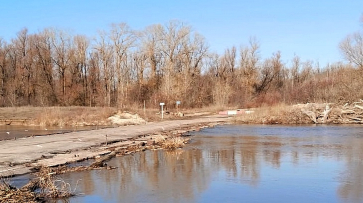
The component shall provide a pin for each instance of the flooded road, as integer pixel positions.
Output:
(237, 164)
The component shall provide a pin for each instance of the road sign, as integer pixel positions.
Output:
(162, 110)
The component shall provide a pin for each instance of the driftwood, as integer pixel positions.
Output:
(326, 114)
(355, 119)
(101, 162)
(334, 113)
(348, 112)
(311, 115)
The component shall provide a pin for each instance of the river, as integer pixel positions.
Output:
(237, 163)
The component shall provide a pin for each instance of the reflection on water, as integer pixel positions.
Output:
(237, 164)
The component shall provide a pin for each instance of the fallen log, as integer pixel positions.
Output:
(348, 112)
(311, 115)
(326, 113)
(355, 119)
(101, 162)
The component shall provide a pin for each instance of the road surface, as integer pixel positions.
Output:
(21, 155)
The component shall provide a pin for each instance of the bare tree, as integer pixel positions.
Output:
(249, 62)
(352, 48)
(191, 61)
(104, 52)
(174, 37)
(294, 71)
(95, 80)
(3, 70)
(164, 63)
(79, 70)
(150, 44)
(46, 90)
(23, 67)
(139, 90)
(269, 72)
(61, 44)
(123, 39)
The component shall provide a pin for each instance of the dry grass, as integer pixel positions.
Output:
(159, 139)
(83, 116)
(25, 112)
(10, 194)
(279, 114)
(51, 187)
(58, 116)
(44, 187)
(174, 143)
(154, 114)
(74, 116)
(207, 109)
(148, 114)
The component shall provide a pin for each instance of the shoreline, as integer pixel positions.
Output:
(22, 156)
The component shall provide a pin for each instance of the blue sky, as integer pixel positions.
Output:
(311, 29)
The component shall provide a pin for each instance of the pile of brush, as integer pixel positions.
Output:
(348, 113)
(41, 189)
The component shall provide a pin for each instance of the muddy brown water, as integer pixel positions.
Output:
(8, 132)
(242, 163)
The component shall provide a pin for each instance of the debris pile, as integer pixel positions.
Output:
(125, 118)
(348, 113)
(43, 188)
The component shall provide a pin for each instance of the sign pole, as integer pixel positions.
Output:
(162, 110)
(177, 105)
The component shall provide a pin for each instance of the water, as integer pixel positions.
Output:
(8, 132)
(237, 164)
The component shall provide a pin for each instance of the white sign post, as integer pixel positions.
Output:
(177, 105)
(162, 110)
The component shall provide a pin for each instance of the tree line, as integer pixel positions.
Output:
(122, 67)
